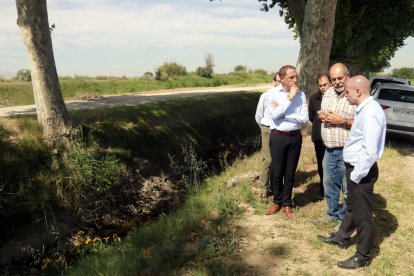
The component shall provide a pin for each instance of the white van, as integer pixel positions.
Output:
(385, 79)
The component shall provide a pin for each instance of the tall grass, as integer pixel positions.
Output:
(21, 93)
(201, 238)
(193, 238)
(119, 147)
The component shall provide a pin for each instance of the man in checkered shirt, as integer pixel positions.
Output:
(337, 116)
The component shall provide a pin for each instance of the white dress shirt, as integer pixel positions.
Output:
(262, 116)
(288, 115)
(366, 140)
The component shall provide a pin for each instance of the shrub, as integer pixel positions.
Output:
(23, 75)
(89, 180)
(170, 69)
(260, 71)
(240, 69)
(148, 74)
(203, 72)
(403, 73)
(206, 71)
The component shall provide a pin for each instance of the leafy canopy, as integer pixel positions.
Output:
(367, 33)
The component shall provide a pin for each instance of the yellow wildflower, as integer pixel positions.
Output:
(61, 259)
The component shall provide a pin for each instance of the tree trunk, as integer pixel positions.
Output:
(51, 109)
(316, 42)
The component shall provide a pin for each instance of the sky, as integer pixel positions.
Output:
(130, 37)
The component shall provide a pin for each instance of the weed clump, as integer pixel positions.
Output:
(89, 179)
(170, 69)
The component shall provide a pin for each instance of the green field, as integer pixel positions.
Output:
(20, 93)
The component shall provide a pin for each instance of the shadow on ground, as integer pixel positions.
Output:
(404, 144)
(385, 223)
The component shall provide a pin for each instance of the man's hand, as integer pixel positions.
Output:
(332, 118)
(294, 89)
(322, 115)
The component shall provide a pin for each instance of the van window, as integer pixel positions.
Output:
(385, 81)
(397, 95)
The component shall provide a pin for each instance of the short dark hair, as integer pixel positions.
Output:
(275, 77)
(282, 71)
(321, 75)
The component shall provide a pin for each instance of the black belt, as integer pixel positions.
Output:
(335, 148)
(265, 125)
(286, 133)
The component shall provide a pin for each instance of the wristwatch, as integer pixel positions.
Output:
(345, 123)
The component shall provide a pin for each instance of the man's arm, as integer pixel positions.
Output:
(334, 118)
(260, 109)
(368, 155)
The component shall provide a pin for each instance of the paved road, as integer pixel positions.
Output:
(134, 99)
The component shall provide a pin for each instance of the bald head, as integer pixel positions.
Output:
(357, 89)
(339, 68)
(338, 74)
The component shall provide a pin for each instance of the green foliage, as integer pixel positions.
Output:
(193, 238)
(260, 72)
(88, 178)
(170, 69)
(367, 33)
(189, 168)
(21, 93)
(148, 74)
(24, 185)
(202, 72)
(23, 75)
(206, 71)
(403, 73)
(123, 141)
(240, 69)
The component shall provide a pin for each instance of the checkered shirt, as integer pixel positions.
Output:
(336, 135)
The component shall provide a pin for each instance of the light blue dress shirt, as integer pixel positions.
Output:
(289, 115)
(366, 140)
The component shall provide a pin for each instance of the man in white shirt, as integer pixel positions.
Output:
(263, 119)
(364, 147)
(289, 113)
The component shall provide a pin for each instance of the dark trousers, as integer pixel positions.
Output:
(320, 151)
(358, 215)
(285, 152)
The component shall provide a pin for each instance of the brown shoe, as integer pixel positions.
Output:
(263, 198)
(273, 209)
(288, 211)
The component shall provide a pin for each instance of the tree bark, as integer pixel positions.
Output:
(51, 109)
(316, 42)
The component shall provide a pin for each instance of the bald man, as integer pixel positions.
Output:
(364, 147)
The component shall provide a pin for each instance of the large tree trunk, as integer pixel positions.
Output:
(51, 109)
(316, 42)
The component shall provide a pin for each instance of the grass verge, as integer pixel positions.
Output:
(221, 230)
(21, 93)
(117, 148)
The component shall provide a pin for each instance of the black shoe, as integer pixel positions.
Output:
(333, 240)
(354, 262)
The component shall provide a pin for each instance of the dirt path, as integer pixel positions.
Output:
(136, 98)
(276, 245)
